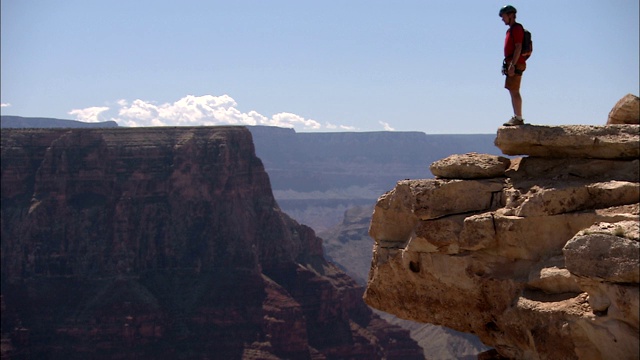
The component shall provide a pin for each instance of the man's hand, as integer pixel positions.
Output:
(511, 70)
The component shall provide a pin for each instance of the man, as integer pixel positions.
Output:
(514, 64)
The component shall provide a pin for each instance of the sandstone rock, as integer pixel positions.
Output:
(573, 196)
(611, 330)
(438, 235)
(578, 141)
(605, 259)
(394, 215)
(528, 272)
(460, 271)
(554, 280)
(619, 302)
(484, 231)
(602, 252)
(470, 166)
(593, 170)
(345, 244)
(552, 277)
(437, 198)
(625, 111)
(398, 211)
(522, 238)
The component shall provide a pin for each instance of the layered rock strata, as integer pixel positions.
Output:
(166, 243)
(541, 261)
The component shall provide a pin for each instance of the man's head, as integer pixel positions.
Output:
(508, 14)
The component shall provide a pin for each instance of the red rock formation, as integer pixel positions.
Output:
(167, 243)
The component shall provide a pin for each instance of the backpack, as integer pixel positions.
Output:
(527, 44)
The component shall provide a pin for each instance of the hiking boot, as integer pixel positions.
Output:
(514, 121)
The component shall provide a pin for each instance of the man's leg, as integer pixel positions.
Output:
(516, 102)
(512, 83)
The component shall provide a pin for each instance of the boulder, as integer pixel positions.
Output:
(571, 141)
(625, 111)
(552, 277)
(553, 280)
(470, 166)
(605, 260)
(606, 251)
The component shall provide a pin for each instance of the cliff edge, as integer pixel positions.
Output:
(537, 255)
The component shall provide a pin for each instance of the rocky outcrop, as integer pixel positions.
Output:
(626, 111)
(540, 262)
(166, 243)
(597, 142)
(349, 246)
(470, 166)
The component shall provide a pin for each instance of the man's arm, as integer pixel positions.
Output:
(518, 36)
(516, 55)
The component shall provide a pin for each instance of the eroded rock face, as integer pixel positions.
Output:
(540, 264)
(167, 243)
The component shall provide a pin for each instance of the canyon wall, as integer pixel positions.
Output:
(537, 255)
(166, 243)
(315, 177)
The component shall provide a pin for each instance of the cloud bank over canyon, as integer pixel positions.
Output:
(195, 111)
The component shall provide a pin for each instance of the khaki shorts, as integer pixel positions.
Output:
(513, 82)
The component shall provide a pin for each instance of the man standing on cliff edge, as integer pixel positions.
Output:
(514, 64)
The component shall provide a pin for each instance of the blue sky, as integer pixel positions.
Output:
(430, 66)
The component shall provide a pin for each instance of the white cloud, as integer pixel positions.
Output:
(288, 120)
(386, 126)
(331, 126)
(90, 114)
(198, 110)
(5, 105)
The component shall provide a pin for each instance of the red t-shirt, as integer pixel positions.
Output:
(515, 35)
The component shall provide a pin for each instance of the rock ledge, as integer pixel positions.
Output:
(577, 141)
(540, 261)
